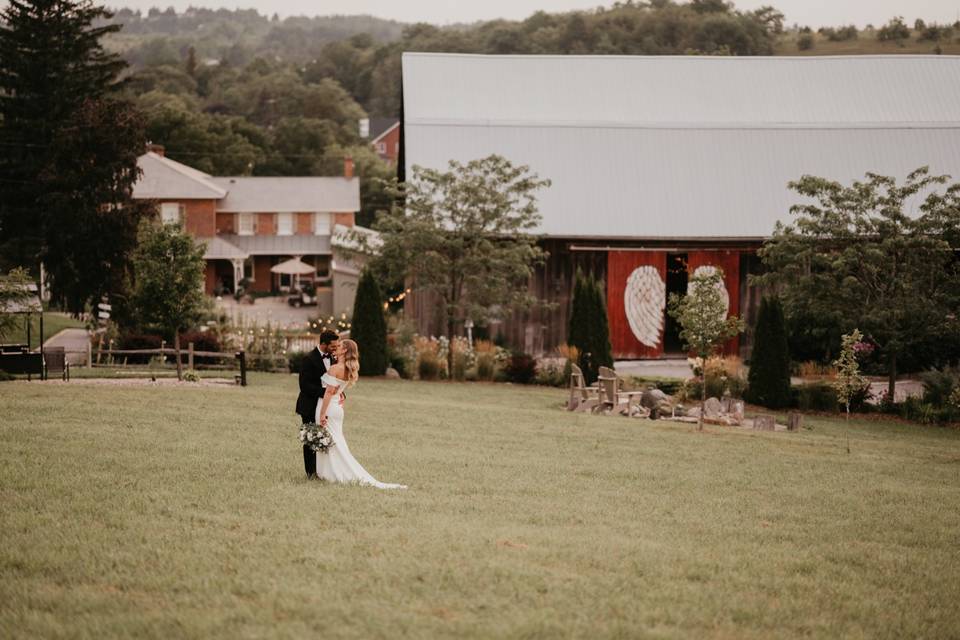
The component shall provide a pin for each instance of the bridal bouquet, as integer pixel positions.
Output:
(316, 436)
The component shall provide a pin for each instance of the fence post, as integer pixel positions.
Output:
(89, 355)
(163, 356)
(190, 355)
(242, 357)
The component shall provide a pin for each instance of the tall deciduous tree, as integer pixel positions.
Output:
(464, 236)
(855, 258)
(769, 377)
(168, 280)
(69, 149)
(704, 324)
(368, 327)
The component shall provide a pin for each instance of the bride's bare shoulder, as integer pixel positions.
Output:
(337, 370)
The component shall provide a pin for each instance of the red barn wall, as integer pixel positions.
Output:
(620, 264)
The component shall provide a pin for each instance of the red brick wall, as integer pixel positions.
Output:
(304, 224)
(225, 222)
(346, 219)
(263, 279)
(266, 224)
(201, 218)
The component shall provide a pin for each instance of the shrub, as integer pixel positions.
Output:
(551, 374)
(136, 341)
(202, 341)
(295, 360)
(817, 396)
(521, 368)
(939, 385)
(369, 327)
(769, 378)
(190, 375)
(895, 31)
(6, 377)
(486, 353)
(805, 42)
(428, 358)
(267, 361)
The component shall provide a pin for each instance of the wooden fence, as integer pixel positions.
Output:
(110, 354)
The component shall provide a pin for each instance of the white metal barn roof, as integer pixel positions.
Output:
(682, 147)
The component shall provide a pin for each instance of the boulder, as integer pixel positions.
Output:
(764, 423)
(712, 408)
(392, 373)
(657, 402)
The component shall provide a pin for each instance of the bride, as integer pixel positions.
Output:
(338, 464)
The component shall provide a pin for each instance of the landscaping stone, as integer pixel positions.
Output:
(392, 374)
(794, 422)
(764, 423)
(712, 408)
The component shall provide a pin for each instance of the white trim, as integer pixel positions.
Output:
(252, 229)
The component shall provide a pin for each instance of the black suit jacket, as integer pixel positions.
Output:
(311, 387)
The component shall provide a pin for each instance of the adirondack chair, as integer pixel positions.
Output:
(612, 395)
(582, 397)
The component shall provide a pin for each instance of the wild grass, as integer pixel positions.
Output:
(182, 512)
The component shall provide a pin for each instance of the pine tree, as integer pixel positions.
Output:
(369, 327)
(602, 350)
(69, 149)
(769, 377)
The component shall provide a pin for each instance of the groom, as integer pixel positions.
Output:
(312, 389)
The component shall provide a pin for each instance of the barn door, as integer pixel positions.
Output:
(636, 302)
(729, 262)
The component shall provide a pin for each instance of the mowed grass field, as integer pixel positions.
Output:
(165, 512)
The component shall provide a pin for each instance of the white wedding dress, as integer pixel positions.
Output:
(338, 464)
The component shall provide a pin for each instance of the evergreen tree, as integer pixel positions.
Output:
(69, 149)
(589, 331)
(600, 327)
(769, 378)
(369, 328)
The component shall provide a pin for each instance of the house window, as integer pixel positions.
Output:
(321, 224)
(284, 224)
(382, 147)
(172, 213)
(248, 271)
(245, 224)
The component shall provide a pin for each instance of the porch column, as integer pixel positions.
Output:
(237, 272)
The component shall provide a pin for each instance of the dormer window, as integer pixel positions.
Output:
(284, 224)
(245, 224)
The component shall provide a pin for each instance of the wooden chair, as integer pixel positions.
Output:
(582, 397)
(612, 395)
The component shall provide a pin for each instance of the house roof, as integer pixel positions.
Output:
(217, 248)
(297, 245)
(682, 147)
(246, 194)
(380, 126)
(165, 179)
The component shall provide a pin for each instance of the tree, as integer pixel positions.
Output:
(368, 327)
(463, 235)
(704, 325)
(855, 258)
(769, 377)
(894, 31)
(69, 148)
(168, 280)
(849, 382)
(589, 330)
(13, 294)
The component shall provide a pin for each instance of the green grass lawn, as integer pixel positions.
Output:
(53, 323)
(182, 512)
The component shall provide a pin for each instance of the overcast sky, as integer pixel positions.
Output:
(805, 12)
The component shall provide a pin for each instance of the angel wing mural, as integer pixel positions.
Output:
(709, 270)
(644, 300)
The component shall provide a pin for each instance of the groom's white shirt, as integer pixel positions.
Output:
(326, 364)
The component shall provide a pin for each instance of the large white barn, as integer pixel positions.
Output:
(663, 165)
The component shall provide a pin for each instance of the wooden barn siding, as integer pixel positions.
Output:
(542, 330)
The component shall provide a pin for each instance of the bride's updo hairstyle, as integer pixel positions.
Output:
(351, 360)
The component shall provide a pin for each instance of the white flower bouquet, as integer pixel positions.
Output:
(316, 436)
